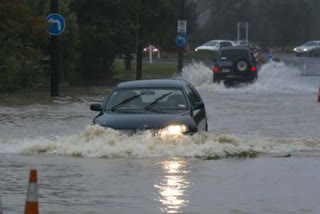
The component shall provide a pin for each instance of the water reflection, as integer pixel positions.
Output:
(172, 188)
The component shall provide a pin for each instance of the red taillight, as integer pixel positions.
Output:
(253, 68)
(215, 69)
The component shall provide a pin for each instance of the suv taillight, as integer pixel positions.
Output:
(253, 68)
(215, 69)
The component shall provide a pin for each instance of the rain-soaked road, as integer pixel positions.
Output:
(85, 169)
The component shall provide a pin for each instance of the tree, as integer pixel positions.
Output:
(21, 37)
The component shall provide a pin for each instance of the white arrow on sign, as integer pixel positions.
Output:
(52, 21)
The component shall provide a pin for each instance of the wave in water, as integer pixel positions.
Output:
(97, 142)
(273, 77)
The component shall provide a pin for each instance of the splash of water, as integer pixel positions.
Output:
(273, 77)
(98, 142)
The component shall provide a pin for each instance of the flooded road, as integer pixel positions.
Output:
(86, 169)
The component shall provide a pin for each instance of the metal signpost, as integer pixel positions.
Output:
(56, 26)
(181, 41)
(241, 25)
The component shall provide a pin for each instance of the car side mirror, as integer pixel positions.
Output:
(95, 107)
(198, 105)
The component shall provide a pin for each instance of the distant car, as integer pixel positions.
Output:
(154, 49)
(235, 64)
(311, 48)
(164, 107)
(215, 45)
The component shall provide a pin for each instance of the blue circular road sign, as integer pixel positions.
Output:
(56, 24)
(181, 40)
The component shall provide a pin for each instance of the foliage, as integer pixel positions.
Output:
(97, 31)
(21, 36)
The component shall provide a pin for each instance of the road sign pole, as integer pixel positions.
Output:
(54, 41)
(180, 49)
(139, 44)
(180, 59)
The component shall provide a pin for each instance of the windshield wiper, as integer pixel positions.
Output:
(156, 101)
(114, 108)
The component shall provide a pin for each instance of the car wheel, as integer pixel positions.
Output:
(312, 53)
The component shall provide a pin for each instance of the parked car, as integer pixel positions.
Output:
(311, 48)
(215, 45)
(165, 107)
(235, 64)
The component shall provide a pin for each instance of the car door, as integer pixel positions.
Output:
(199, 115)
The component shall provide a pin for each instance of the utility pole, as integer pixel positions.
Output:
(54, 43)
(139, 42)
(181, 6)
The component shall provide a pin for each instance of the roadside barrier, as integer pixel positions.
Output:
(1, 212)
(32, 206)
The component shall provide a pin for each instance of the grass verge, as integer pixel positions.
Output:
(149, 70)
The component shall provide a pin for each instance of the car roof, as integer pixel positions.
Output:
(218, 41)
(153, 83)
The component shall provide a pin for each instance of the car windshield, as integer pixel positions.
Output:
(310, 44)
(211, 43)
(147, 99)
(232, 55)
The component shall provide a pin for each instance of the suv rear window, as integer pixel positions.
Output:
(234, 54)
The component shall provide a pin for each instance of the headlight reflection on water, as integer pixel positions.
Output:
(172, 188)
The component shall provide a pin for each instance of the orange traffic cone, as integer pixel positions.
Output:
(1, 212)
(32, 206)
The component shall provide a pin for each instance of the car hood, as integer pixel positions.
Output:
(142, 121)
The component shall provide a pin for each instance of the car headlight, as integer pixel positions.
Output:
(305, 49)
(173, 130)
(294, 49)
(196, 49)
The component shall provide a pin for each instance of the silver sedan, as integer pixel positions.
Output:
(311, 48)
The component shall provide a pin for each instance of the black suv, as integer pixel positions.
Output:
(234, 65)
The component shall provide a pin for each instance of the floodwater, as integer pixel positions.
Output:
(87, 169)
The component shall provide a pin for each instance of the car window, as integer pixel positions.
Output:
(226, 44)
(196, 94)
(211, 43)
(234, 54)
(310, 44)
(191, 95)
(170, 99)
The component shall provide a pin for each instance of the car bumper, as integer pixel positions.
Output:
(237, 77)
